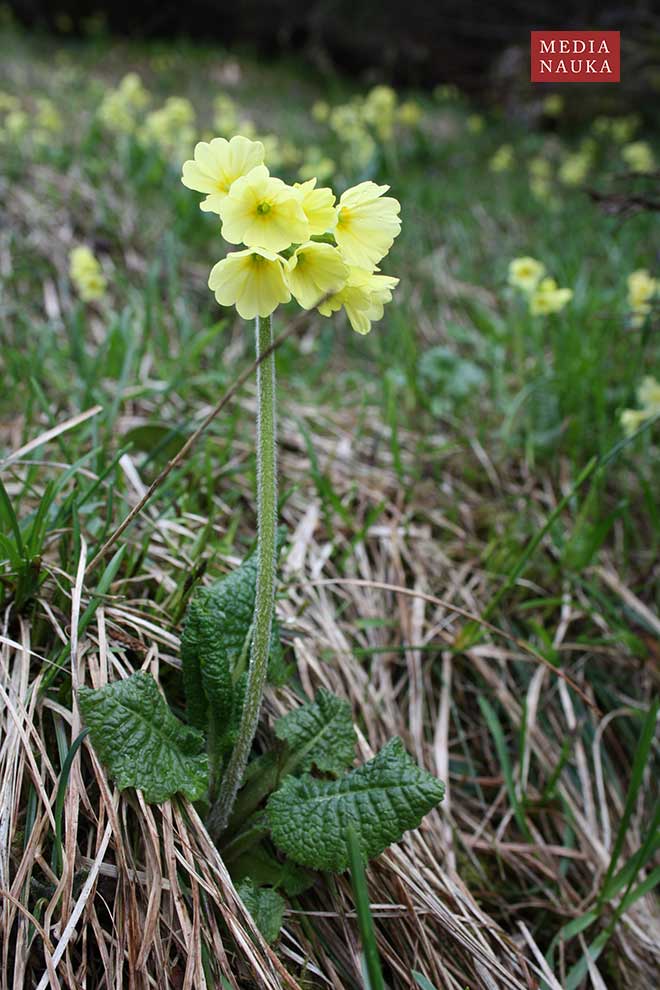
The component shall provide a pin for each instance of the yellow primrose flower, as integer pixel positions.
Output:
(314, 270)
(115, 114)
(573, 170)
(86, 274)
(16, 123)
(252, 280)
(217, 165)
(225, 119)
(632, 419)
(317, 167)
(363, 298)
(170, 127)
(638, 156)
(502, 160)
(549, 298)
(380, 289)
(133, 92)
(47, 116)
(623, 128)
(8, 102)
(641, 287)
(648, 396)
(367, 224)
(553, 105)
(524, 273)
(248, 128)
(262, 211)
(319, 206)
(541, 189)
(409, 113)
(539, 167)
(320, 110)
(641, 290)
(446, 92)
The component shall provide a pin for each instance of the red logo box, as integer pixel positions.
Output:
(576, 56)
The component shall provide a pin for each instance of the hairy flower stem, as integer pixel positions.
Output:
(265, 593)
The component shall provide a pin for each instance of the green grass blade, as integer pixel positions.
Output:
(640, 760)
(365, 920)
(57, 860)
(495, 727)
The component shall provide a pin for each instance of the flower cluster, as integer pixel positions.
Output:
(540, 173)
(120, 107)
(297, 240)
(41, 119)
(648, 397)
(171, 128)
(86, 274)
(619, 129)
(543, 294)
(641, 290)
(364, 122)
(575, 167)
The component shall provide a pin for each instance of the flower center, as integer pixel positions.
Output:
(343, 217)
(263, 208)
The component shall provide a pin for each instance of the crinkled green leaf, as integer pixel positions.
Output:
(384, 798)
(192, 639)
(141, 742)
(216, 627)
(320, 733)
(279, 671)
(227, 728)
(266, 907)
(261, 866)
(232, 597)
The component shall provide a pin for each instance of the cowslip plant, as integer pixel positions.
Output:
(291, 808)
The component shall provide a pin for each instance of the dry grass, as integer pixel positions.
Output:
(143, 895)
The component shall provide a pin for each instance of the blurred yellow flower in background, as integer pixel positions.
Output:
(409, 113)
(525, 273)
(548, 298)
(86, 274)
(638, 156)
(316, 165)
(648, 396)
(170, 127)
(641, 290)
(320, 110)
(502, 160)
(120, 107)
(574, 169)
(553, 105)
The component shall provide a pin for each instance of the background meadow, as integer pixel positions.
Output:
(470, 457)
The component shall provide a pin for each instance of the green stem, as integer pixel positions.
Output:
(265, 593)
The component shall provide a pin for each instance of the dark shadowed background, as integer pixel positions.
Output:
(413, 43)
